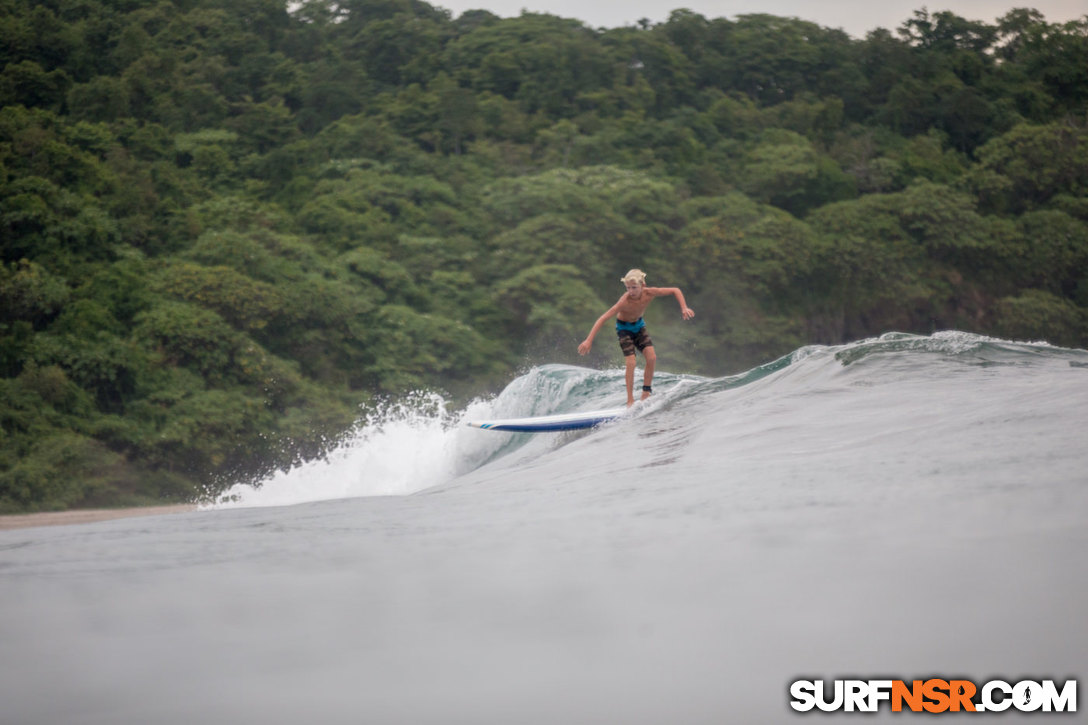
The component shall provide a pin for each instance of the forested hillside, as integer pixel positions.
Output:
(228, 224)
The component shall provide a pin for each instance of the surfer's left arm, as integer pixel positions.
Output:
(686, 312)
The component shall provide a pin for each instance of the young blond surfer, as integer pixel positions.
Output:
(631, 328)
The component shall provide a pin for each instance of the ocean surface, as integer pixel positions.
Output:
(899, 507)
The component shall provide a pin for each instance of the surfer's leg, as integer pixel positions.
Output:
(648, 375)
(627, 345)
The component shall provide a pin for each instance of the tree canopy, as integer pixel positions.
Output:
(228, 225)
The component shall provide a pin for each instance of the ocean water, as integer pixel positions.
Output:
(900, 507)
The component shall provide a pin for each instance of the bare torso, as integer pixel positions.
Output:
(629, 308)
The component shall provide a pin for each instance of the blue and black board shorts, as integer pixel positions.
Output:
(631, 341)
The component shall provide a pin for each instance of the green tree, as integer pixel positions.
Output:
(552, 306)
(27, 83)
(1037, 315)
(747, 268)
(1029, 165)
(1052, 254)
(786, 170)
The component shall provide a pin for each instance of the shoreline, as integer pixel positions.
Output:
(87, 516)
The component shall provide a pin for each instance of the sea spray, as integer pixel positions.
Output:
(399, 447)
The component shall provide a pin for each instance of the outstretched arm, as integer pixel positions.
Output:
(588, 342)
(686, 312)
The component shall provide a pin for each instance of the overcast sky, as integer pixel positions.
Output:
(857, 17)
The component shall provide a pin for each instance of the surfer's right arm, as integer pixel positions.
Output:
(588, 342)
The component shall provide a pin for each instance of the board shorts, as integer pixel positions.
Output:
(633, 339)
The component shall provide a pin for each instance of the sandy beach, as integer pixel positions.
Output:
(86, 516)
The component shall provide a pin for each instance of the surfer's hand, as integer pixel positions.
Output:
(584, 347)
(687, 313)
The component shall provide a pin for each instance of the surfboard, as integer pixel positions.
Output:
(546, 423)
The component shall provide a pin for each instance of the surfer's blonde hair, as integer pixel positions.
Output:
(634, 275)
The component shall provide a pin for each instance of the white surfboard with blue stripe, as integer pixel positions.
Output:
(546, 423)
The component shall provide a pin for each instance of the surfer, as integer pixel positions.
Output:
(631, 328)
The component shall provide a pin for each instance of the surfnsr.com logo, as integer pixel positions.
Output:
(933, 696)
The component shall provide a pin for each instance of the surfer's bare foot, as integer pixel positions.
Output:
(644, 397)
(630, 402)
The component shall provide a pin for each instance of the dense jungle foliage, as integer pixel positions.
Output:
(228, 224)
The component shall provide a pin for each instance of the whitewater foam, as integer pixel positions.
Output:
(396, 449)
